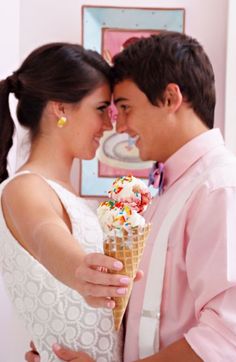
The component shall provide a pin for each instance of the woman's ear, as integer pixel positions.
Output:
(57, 108)
(172, 97)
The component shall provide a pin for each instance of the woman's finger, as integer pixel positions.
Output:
(100, 302)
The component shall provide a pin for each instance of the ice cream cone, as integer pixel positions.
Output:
(128, 248)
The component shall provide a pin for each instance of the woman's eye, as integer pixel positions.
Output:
(102, 109)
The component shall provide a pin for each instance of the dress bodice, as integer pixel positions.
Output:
(53, 312)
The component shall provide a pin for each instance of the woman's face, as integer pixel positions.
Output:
(87, 121)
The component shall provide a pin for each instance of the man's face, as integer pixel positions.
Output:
(139, 118)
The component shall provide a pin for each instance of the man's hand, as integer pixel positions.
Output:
(64, 354)
(67, 355)
(32, 356)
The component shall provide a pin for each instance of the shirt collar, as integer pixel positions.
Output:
(188, 154)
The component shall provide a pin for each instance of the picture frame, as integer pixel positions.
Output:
(107, 29)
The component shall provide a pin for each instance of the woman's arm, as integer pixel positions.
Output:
(37, 219)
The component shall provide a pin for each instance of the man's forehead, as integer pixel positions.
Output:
(120, 86)
(119, 92)
(124, 89)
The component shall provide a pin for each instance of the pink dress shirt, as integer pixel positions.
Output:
(199, 290)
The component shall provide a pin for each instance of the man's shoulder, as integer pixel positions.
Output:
(218, 170)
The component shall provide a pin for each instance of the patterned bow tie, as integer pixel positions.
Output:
(156, 177)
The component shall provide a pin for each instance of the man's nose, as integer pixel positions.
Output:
(107, 124)
(121, 126)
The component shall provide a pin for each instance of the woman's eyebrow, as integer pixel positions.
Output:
(107, 103)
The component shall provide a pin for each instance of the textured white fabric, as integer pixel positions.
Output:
(52, 312)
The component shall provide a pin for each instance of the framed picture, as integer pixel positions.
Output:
(108, 30)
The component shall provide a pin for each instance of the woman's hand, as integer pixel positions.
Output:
(32, 355)
(96, 284)
(70, 356)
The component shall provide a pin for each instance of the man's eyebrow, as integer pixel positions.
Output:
(121, 99)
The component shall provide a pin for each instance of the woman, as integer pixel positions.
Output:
(51, 242)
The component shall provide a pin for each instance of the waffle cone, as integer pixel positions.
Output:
(128, 248)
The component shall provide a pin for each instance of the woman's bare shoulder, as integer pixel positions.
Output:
(29, 189)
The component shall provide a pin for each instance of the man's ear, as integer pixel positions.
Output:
(172, 97)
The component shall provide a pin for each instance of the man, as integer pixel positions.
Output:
(184, 307)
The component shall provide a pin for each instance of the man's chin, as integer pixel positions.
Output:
(144, 157)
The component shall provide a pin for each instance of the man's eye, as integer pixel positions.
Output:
(124, 107)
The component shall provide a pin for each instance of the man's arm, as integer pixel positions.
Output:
(32, 355)
(179, 351)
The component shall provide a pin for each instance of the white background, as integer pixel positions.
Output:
(26, 24)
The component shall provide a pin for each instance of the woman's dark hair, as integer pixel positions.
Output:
(169, 57)
(54, 72)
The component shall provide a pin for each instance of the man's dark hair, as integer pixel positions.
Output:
(170, 57)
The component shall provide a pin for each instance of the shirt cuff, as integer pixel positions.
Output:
(211, 340)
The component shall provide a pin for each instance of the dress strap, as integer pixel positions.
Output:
(20, 173)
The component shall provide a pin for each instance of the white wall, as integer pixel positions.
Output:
(47, 21)
(230, 97)
(13, 338)
(9, 43)
(26, 24)
(9, 36)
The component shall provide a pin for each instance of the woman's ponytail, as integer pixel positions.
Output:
(6, 126)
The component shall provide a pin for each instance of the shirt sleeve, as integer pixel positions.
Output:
(211, 275)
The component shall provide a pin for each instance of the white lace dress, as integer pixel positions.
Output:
(52, 312)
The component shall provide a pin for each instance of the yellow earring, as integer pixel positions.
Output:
(61, 122)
